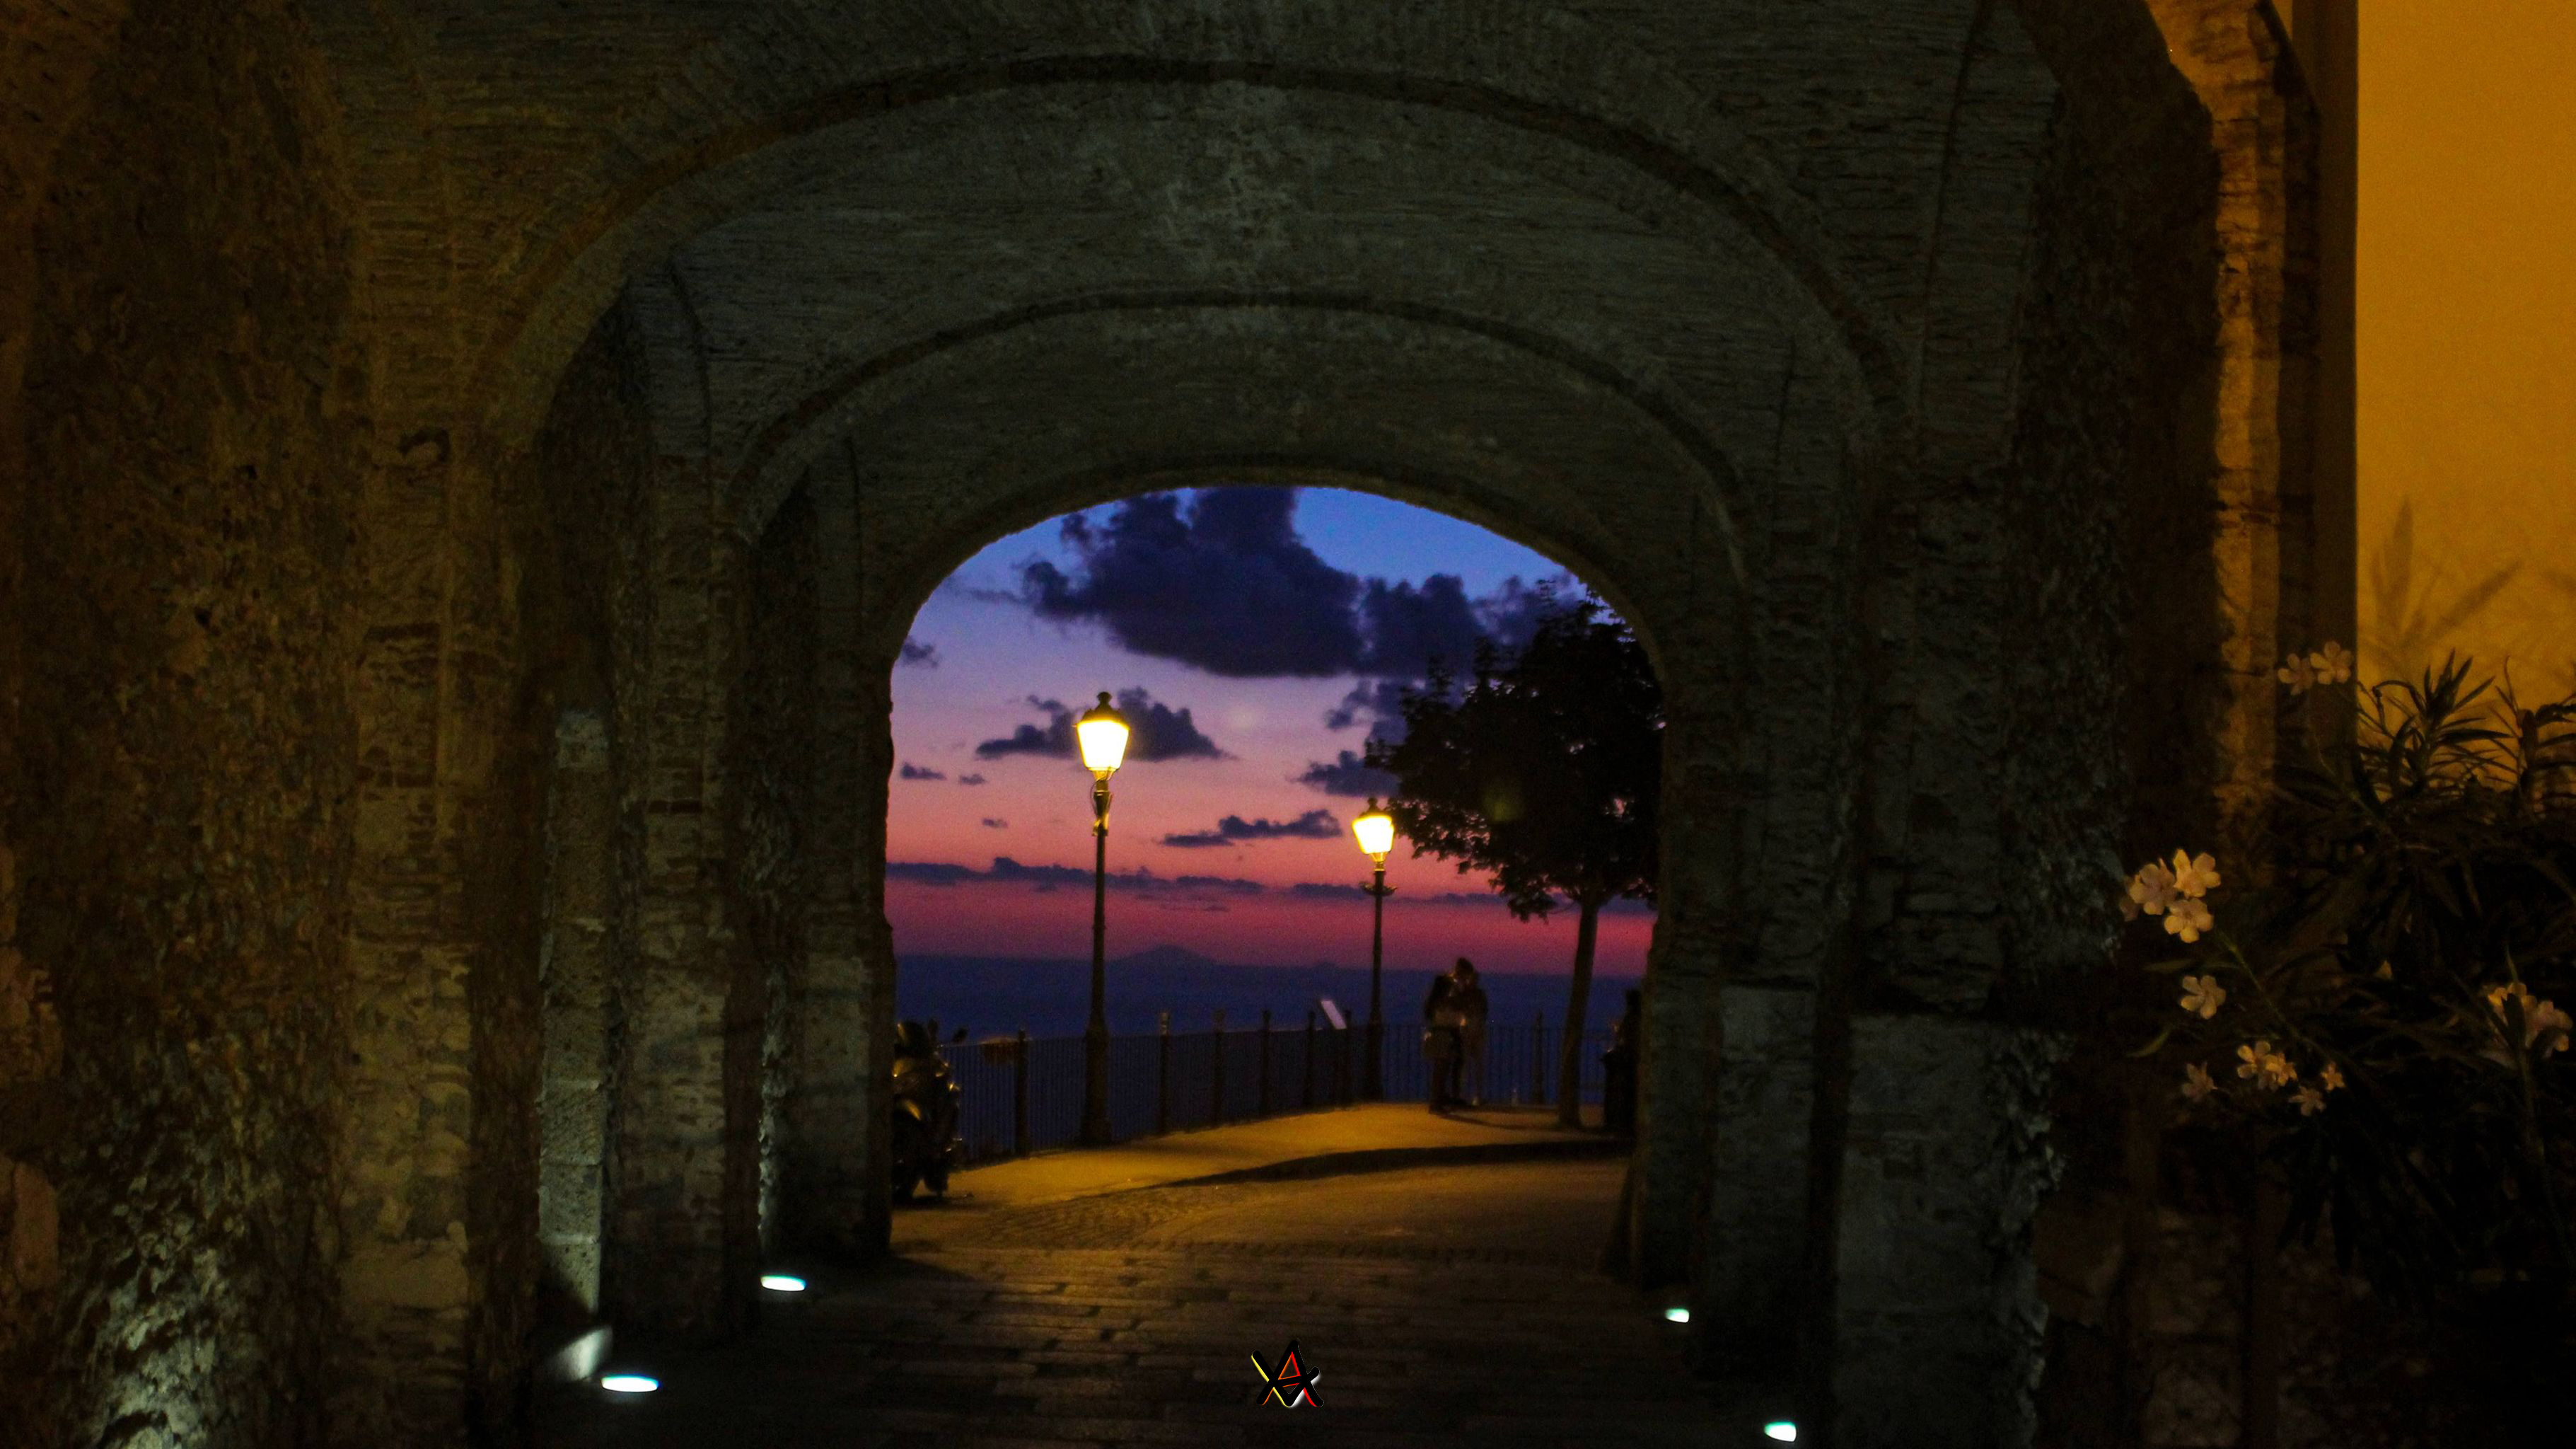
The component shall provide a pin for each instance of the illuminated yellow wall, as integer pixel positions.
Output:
(2466, 335)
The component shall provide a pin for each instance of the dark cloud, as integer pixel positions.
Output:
(992, 822)
(1347, 774)
(931, 873)
(1511, 614)
(1378, 701)
(1221, 580)
(911, 771)
(915, 652)
(1408, 626)
(1158, 732)
(1006, 871)
(1230, 588)
(970, 779)
(1316, 891)
(1235, 830)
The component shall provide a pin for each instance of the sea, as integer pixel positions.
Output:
(995, 996)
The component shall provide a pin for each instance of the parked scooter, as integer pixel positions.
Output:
(925, 1111)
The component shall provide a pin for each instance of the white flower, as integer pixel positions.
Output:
(2297, 673)
(2545, 1028)
(2196, 1083)
(2310, 1100)
(2194, 875)
(2543, 1023)
(2268, 1068)
(2202, 994)
(2188, 918)
(2331, 664)
(2152, 889)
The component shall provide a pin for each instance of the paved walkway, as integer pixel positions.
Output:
(1118, 1298)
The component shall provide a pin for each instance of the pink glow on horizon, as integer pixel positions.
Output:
(995, 920)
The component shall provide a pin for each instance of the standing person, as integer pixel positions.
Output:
(1468, 996)
(1440, 1020)
(1619, 1074)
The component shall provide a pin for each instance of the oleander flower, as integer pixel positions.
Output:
(2310, 1100)
(2194, 875)
(2202, 994)
(2543, 1024)
(2297, 673)
(2152, 889)
(2545, 1028)
(2331, 1078)
(2197, 1084)
(2265, 1067)
(2330, 664)
(2187, 918)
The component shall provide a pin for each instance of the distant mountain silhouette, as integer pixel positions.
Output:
(1169, 958)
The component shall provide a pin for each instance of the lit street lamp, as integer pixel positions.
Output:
(1376, 833)
(1103, 737)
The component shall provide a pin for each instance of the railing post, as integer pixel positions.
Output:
(1163, 1075)
(1216, 1097)
(1265, 1062)
(1538, 1061)
(1020, 1095)
(1306, 1096)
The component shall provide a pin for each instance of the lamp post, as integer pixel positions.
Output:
(1103, 738)
(1375, 831)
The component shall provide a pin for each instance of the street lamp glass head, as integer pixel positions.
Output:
(1103, 733)
(1376, 832)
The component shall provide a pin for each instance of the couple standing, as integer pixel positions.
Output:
(1453, 1038)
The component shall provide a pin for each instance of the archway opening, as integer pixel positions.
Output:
(1260, 643)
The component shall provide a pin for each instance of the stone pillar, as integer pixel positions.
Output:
(409, 1104)
(681, 1251)
(581, 835)
(2260, 431)
(828, 1198)
(672, 1238)
(1938, 1321)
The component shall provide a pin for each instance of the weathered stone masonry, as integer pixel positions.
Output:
(468, 471)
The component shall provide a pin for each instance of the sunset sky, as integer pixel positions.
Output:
(1264, 627)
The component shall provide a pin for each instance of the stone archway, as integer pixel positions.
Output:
(1942, 289)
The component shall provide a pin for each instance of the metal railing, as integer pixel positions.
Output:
(1020, 1094)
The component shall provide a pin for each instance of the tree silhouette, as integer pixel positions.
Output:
(1543, 771)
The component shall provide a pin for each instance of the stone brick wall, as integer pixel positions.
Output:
(182, 747)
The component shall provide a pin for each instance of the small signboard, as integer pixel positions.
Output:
(1332, 1013)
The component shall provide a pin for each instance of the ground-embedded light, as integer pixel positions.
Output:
(1782, 1430)
(629, 1383)
(782, 1282)
(1677, 1315)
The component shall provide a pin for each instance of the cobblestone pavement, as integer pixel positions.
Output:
(1437, 1306)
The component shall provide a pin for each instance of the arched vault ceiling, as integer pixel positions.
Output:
(1005, 430)
(569, 148)
(958, 219)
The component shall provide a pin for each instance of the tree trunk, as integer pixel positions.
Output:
(1569, 1063)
